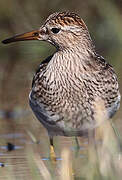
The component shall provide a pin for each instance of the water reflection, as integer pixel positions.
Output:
(18, 150)
(12, 135)
(48, 159)
(2, 164)
(10, 147)
(14, 114)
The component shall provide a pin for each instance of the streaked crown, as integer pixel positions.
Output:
(66, 18)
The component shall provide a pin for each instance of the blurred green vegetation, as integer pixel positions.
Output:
(102, 18)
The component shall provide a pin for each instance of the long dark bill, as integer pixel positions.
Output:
(32, 35)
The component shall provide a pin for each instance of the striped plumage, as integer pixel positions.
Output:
(67, 84)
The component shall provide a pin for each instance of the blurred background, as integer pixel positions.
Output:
(19, 61)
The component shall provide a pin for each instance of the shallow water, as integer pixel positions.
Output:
(18, 140)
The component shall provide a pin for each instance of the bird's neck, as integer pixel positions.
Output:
(67, 65)
(70, 60)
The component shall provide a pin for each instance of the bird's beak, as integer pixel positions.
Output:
(32, 35)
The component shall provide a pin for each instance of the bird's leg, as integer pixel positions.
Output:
(91, 138)
(77, 143)
(77, 146)
(52, 152)
(117, 134)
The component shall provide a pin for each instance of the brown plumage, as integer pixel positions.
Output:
(67, 84)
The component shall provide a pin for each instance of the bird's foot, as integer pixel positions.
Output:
(52, 154)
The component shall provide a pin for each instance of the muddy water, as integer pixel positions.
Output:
(19, 138)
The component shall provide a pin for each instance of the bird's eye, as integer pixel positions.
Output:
(55, 30)
(35, 34)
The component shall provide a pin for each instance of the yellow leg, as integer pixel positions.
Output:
(52, 152)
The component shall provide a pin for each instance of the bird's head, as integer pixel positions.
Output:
(63, 30)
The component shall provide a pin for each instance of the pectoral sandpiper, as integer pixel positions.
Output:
(67, 83)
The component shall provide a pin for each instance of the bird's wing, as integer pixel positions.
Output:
(111, 87)
(42, 66)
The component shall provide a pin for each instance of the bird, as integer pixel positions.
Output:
(67, 83)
